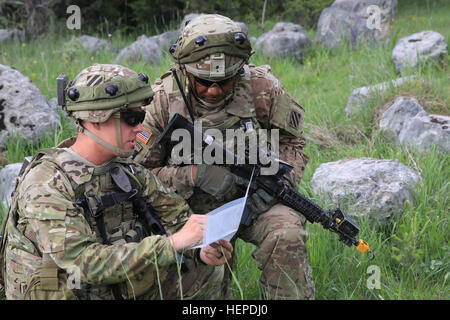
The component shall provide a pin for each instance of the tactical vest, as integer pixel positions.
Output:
(37, 276)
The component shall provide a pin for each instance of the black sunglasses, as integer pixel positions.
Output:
(132, 118)
(207, 83)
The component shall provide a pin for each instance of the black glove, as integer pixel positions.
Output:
(216, 180)
(260, 201)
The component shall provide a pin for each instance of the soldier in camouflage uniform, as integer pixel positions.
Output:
(73, 229)
(226, 92)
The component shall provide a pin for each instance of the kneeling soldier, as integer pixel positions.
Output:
(87, 223)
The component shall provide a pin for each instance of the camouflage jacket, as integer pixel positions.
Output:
(46, 220)
(258, 96)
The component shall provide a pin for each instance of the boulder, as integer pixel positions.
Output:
(368, 187)
(93, 44)
(166, 39)
(408, 123)
(362, 21)
(424, 45)
(359, 97)
(24, 110)
(8, 177)
(283, 40)
(7, 35)
(144, 48)
(150, 49)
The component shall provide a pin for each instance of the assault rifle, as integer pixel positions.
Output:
(335, 220)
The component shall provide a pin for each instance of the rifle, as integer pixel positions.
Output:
(335, 220)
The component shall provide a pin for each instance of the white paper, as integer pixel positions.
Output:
(223, 222)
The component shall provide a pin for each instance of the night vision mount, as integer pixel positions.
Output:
(61, 84)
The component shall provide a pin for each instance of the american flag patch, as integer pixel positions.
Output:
(144, 135)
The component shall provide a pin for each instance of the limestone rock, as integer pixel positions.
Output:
(366, 21)
(418, 46)
(369, 187)
(24, 110)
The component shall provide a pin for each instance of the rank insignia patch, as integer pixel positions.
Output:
(144, 135)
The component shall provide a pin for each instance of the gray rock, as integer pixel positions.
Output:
(419, 46)
(150, 49)
(11, 35)
(23, 108)
(359, 97)
(283, 40)
(144, 48)
(93, 44)
(367, 187)
(409, 124)
(352, 20)
(8, 177)
(166, 39)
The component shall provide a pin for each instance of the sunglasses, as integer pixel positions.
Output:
(207, 83)
(132, 118)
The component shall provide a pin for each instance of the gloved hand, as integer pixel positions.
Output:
(217, 180)
(261, 201)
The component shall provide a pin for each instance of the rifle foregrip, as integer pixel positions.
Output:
(312, 212)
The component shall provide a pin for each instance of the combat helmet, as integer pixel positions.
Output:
(212, 47)
(101, 91)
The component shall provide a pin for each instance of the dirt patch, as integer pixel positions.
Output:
(427, 99)
(327, 137)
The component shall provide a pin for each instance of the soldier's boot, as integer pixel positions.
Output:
(280, 236)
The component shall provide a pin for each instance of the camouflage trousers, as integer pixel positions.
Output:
(280, 235)
(199, 282)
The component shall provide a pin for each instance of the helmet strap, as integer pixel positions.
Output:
(120, 152)
(118, 132)
(213, 105)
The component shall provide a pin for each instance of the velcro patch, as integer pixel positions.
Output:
(144, 135)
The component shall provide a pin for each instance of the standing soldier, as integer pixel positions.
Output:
(81, 217)
(214, 84)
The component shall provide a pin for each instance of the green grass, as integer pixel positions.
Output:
(411, 251)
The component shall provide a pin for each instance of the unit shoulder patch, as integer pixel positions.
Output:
(294, 119)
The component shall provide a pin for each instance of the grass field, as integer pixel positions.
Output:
(412, 252)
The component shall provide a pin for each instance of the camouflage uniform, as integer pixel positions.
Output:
(279, 233)
(51, 238)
